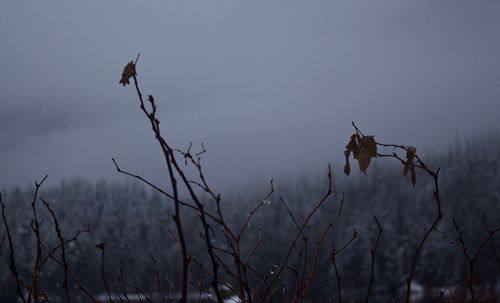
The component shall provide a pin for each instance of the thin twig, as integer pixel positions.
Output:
(159, 289)
(63, 251)
(102, 248)
(471, 257)
(299, 233)
(373, 251)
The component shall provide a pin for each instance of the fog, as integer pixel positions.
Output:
(270, 87)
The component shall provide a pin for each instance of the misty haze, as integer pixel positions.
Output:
(250, 151)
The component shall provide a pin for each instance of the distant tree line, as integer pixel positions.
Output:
(136, 225)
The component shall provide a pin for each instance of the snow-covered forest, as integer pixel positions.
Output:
(136, 225)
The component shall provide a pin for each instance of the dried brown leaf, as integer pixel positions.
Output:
(128, 72)
(351, 147)
(367, 150)
(353, 144)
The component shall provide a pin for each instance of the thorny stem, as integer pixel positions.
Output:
(173, 181)
(171, 164)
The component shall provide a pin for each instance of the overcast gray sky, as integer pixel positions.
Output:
(270, 87)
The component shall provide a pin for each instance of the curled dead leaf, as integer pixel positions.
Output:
(351, 147)
(128, 72)
(363, 149)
